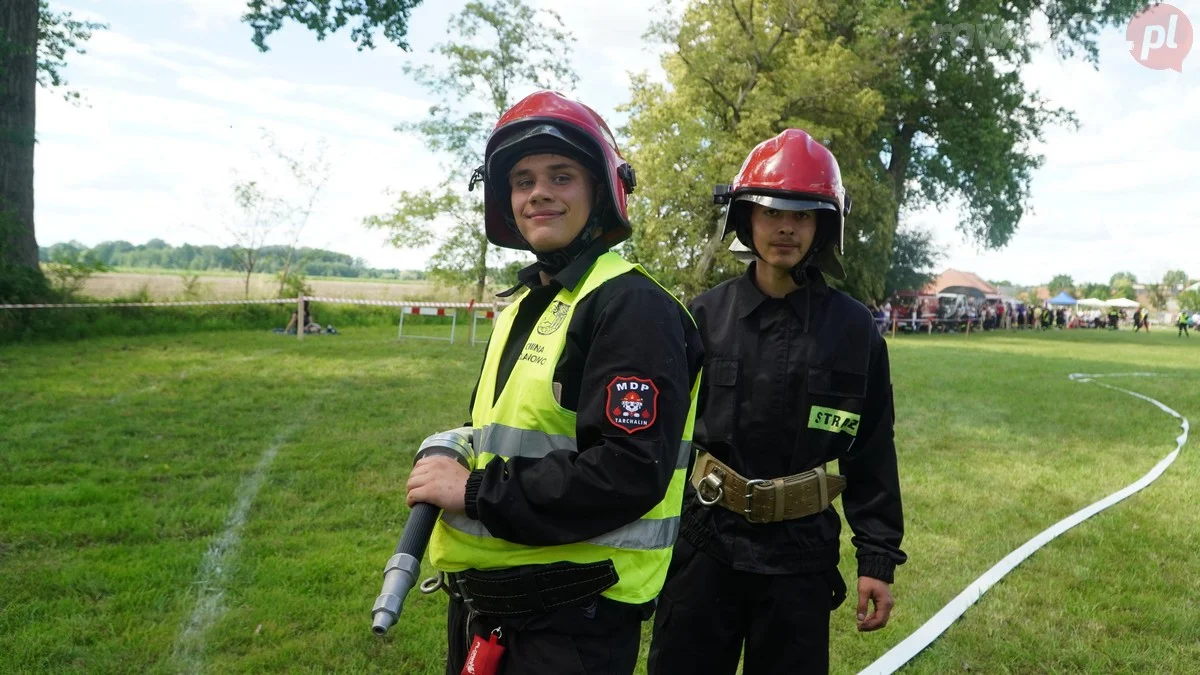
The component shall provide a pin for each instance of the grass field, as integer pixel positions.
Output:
(225, 502)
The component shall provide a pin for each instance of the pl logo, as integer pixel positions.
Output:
(1160, 37)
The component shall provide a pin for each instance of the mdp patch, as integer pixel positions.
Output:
(632, 403)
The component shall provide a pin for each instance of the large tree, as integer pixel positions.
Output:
(497, 48)
(1156, 295)
(1173, 278)
(914, 256)
(738, 73)
(960, 120)
(1189, 301)
(1060, 283)
(34, 43)
(1093, 290)
(1122, 277)
(328, 16)
(955, 125)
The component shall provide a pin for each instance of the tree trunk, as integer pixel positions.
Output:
(898, 163)
(707, 258)
(18, 88)
(481, 266)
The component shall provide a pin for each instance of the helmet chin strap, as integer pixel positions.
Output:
(800, 269)
(553, 262)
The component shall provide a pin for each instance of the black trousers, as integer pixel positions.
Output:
(601, 638)
(707, 611)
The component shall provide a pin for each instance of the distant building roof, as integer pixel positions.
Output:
(957, 281)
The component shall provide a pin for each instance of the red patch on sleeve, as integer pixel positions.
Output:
(632, 403)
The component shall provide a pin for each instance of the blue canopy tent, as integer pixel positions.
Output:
(1063, 299)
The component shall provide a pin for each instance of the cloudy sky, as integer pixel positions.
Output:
(177, 95)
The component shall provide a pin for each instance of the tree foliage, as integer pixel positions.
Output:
(1156, 295)
(497, 48)
(1122, 287)
(1189, 301)
(1060, 283)
(68, 272)
(923, 104)
(1121, 277)
(738, 73)
(58, 35)
(1173, 278)
(366, 17)
(273, 259)
(914, 256)
(1093, 290)
(961, 120)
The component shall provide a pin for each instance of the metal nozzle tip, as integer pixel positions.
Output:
(381, 624)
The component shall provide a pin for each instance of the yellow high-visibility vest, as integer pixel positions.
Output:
(527, 421)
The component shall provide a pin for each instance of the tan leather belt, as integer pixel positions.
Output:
(764, 501)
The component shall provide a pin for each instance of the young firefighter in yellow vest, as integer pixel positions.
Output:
(559, 540)
(796, 375)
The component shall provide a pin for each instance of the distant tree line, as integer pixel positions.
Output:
(158, 254)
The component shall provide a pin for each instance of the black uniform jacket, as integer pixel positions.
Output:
(628, 327)
(774, 368)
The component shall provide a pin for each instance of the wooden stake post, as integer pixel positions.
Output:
(301, 320)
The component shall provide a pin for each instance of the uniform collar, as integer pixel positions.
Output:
(569, 277)
(750, 297)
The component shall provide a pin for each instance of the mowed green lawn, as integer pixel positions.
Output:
(225, 502)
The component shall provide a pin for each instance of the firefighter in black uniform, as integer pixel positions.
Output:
(557, 543)
(795, 376)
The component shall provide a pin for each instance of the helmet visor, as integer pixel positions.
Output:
(538, 139)
(786, 204)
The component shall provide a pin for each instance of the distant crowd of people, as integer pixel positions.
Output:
(987, 316)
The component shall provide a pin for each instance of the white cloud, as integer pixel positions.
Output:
(157, 161)
(175, 108)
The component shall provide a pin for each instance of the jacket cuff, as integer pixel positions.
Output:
(471, 499)
(877, 567)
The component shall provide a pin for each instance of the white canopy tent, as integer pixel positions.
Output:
(1091, 302)
(1122, 303)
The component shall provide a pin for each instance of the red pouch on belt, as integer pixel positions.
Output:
(483, 658)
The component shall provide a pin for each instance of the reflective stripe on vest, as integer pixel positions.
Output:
(509, 442)
(525, 420)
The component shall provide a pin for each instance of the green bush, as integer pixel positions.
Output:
(20, 285)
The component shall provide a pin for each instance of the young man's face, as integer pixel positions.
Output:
(551, 200)
(782, 238)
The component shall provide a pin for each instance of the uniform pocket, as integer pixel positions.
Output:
(836, 400)
(836, 383)
(722, 375)
(723, 372)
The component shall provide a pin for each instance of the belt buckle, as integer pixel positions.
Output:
(715, 482)
(748, 511)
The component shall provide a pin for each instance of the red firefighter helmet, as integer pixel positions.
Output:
(631, 396)
(791, 172)
(547, 121)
